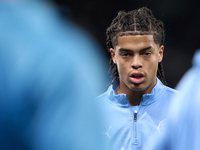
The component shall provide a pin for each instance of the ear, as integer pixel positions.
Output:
(112, 52)
(160, 53)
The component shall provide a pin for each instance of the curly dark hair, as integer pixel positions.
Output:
(136, 22)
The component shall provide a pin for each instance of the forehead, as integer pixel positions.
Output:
(135, 41)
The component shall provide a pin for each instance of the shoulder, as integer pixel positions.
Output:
(171, 90)
(106, 93)
(102, 96)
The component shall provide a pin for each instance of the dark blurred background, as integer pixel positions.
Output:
(180, 17)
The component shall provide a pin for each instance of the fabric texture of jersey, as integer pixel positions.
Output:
(130, 127)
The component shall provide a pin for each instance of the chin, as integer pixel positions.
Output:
(137, 89)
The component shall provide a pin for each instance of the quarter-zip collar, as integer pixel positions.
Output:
(147, 99)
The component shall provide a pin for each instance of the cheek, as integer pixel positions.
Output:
(152, 66)
(122, 68)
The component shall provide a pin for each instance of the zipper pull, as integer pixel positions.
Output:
(135, 115)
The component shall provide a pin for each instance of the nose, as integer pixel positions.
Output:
(136, 62)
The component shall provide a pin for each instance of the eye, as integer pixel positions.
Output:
(146, 54)
(125, 54)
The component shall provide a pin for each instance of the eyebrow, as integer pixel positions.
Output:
(128, 50)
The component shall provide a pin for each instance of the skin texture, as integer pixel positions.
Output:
(137, 59)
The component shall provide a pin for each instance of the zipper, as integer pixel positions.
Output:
(135, 123)
(135, 137)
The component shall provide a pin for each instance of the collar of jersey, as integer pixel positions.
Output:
(147, 99)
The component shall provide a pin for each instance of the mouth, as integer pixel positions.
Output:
(137, 78)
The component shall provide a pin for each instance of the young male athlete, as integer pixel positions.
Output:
(136, 103)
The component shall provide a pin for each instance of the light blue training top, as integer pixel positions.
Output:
(130, 127)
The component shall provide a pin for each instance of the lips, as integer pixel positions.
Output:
(137, 78)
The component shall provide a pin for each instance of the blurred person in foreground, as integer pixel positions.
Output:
(182, 131)
(136, 103)
(49, 76)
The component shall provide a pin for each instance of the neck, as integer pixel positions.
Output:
(134, 97)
